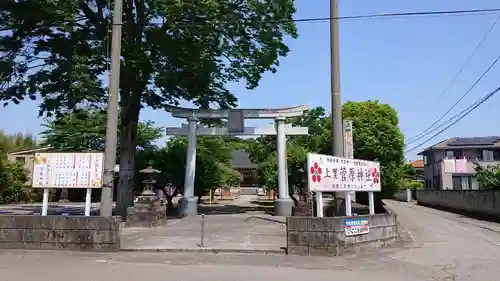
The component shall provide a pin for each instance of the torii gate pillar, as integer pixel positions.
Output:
(188, 204)
(283, 204)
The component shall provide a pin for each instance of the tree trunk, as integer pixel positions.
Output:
(128, 142)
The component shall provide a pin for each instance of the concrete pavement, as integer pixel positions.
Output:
(447, 247)
(61, 266)
(461, 247)
(230, 233)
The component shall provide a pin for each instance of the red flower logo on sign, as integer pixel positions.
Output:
(375, 175)
(316, 172)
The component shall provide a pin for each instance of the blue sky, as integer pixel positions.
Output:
(406, 62)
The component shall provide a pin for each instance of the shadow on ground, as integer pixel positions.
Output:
(263, 203)
(233, 209)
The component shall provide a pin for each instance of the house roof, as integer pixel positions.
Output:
(417, 164)
(462, 142)
(241, 159)
(32, 150)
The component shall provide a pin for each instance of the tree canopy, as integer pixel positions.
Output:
(171, 51)
(85, 130)
(488, 176)
(13, 176)
(376, 136)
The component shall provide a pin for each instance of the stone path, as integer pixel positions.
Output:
(232, 233)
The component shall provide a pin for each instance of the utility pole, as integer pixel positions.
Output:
(337, 126)
(112, 112)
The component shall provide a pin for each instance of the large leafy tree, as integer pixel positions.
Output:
(171, 51)
(85, 130)
(377, 136)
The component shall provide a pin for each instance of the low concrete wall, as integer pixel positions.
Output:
(101, 234)
(483, 203)
(403, 195)
(326, 236)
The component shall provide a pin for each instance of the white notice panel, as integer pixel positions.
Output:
(331, 174)
(68, 170)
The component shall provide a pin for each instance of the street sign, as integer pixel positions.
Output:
(356, 226)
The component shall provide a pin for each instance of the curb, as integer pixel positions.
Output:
(206, 250)
(404, 234)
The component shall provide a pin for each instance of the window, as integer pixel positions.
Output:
(462, 182)
(426, 161)
(21, 160)
(488, 155)
(450, 154)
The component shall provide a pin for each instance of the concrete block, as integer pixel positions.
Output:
(326, 236)
(60, 232)
(325, 224)
(381, 220)
(297, 223)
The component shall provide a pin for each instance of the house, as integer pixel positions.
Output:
(418, 165)
(441, 161)
(26, 157)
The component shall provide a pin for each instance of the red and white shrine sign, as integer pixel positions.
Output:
(331, 174)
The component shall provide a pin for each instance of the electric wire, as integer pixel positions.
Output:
(460, 99)
(355, 17)
(423, 133)
(470, 109)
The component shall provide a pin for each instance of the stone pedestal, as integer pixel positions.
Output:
(188, 206)
(148, 211)
(283, 207)
(304, 207)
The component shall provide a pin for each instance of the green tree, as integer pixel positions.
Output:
(85, 130)
(377, 136)
(213, 164)
(13, 176)
(171, 51)
(488, 177)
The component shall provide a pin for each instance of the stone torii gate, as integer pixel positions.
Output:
(188, 205)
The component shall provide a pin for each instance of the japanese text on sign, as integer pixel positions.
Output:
(356, 226)
(68, 170)
(330, 174)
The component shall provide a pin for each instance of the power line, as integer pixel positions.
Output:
(468, 111)
(421, 134)
(355, 17)
(405, 14)
(456, 103)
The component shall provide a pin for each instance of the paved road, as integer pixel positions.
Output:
(464, 248)
(448, 247)
(21, 266)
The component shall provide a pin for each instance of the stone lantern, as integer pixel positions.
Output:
(148, 211)
(149, 177)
